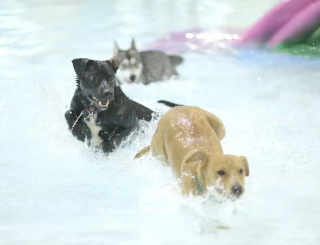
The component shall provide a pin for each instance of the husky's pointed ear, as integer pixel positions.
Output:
(116, 49)
(133, 45)
(114, 63)
(80, 66)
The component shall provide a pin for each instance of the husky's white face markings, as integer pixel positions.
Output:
(95, 138)
(124, 64)
(127, 69)
(130, 63)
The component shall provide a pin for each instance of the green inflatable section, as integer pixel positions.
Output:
(308, 45)
(315, 37)
(300, 49)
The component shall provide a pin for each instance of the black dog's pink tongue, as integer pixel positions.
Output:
(104, 102)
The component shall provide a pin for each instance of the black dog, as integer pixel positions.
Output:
(100, 111)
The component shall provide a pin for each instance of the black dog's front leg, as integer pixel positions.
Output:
(120, 136)
(108, 146)
(75, 122)
(112, 142)
(78, 128)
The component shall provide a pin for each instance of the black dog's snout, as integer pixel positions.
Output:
(237, 190)
(107, 93)
(132, 78)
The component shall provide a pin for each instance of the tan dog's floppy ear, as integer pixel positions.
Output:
(245, 164)
(116, 49)
(133, 45)
(114, 63)
(191, 170)
(195, 157)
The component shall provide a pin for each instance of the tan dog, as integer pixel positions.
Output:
(188, 140)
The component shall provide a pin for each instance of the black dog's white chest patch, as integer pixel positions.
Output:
(95, 129)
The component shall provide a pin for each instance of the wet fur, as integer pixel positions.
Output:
(117, 122)
(188, 140)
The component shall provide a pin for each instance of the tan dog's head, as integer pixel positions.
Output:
(226, 173)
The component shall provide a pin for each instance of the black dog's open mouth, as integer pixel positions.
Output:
(102, 103)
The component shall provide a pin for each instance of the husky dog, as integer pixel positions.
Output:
(144, 67)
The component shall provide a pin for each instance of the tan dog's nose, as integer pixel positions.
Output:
(237, 190)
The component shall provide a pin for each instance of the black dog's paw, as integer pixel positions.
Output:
(108, 146)
(70, 117)
(105, 135)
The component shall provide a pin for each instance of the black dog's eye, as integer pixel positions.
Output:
(221, 172)
(241, 171)
(93, 79)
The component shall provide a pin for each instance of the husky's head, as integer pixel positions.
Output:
(130, 66)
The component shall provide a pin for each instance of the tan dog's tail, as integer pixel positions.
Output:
(221, 132)
(142, 152)
(217, 125)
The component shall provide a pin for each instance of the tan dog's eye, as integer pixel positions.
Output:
(221, 172)
(241, 171)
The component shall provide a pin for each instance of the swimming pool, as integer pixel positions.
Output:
(56, 190)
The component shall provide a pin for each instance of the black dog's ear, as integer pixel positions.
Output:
(80, 66)
(114, 63)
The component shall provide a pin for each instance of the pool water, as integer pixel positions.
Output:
(56, 190)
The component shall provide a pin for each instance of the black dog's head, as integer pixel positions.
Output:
(96, 79)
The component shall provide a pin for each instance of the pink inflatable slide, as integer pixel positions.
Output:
(289, 21)
(290, 25)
